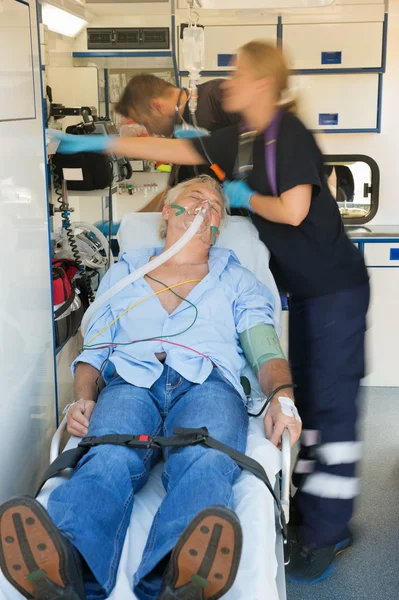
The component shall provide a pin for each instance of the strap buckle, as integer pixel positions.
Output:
(87, 442)
(142, 441)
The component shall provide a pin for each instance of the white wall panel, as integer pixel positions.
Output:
(27, 399)
(74, 87)
(334, 45)
(17, 100)
(350, 101)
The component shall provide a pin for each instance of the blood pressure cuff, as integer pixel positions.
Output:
(260, 344)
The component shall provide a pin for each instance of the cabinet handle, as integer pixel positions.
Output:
(331, 58)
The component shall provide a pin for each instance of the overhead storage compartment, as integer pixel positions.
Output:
(333, 45)
(338, 102)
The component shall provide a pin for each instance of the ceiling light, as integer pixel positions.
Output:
(61, 21)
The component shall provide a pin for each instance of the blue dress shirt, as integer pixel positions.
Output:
(229, 300)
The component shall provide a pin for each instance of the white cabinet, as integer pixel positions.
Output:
(382, 255)
(222, 42)
(330, 102)
(383, 328)
(333, 45)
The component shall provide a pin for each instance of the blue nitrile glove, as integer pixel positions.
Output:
(72, 144)
(189, 131)
(238, 194)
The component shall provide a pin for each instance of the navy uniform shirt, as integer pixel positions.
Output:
(317, 257)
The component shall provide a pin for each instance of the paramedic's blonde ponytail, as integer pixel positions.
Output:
(267, 60)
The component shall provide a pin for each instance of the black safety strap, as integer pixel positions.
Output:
(67, 304)
(70, 458)
(67, 460)
(181, 437)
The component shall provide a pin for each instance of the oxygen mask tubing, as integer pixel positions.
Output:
(196, 224)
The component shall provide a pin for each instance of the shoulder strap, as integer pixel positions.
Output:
(271, 135)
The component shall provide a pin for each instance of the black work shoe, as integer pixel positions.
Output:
(204, 562)
(35, 557)
(310, 565)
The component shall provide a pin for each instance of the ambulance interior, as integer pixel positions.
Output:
(63, 61)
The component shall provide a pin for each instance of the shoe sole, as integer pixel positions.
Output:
(32, 555)
(206, 557)
(341, 548)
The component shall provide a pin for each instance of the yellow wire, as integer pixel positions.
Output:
(170, 287)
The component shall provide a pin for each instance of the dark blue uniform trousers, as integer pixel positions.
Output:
(326, 353)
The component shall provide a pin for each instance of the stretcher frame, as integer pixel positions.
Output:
(282, 490)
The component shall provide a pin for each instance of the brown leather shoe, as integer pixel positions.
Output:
(35, 557)
(205, 560)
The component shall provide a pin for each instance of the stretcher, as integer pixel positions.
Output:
(261, 573)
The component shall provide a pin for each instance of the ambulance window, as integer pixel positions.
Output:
(354, 180)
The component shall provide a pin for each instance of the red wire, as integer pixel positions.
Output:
(182, 346)
(158, 340)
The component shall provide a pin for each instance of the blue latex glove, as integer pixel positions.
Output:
(72, 144)
(189, 131)
(238, 194)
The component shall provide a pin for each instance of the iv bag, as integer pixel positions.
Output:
(193, 51)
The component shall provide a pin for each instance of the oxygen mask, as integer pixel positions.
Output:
(203, 208)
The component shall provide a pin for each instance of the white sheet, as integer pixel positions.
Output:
(256, 579)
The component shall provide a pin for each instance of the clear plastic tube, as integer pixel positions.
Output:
(147, 268)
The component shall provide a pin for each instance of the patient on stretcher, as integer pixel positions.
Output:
(166, 352)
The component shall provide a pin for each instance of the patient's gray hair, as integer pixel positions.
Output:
(174, 193)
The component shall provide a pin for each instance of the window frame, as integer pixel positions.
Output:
(331, 159)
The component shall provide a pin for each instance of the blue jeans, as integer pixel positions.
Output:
(93, 508)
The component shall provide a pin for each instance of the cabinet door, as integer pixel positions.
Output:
(333, 45)
(382, 254)
(329, 102)
(222, 42)
(383, 329)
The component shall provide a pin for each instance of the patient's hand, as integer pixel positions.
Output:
(78, 417)
(276, 420)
